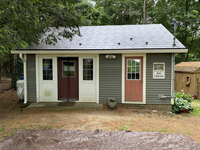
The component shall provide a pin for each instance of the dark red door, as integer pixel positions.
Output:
(68, 78)
(133, 78)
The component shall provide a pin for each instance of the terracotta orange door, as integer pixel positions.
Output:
(68, 78)
(133, 78)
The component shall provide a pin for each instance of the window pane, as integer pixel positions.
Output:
(69, 69)
(133, 69)
(137, 69)
(47, 69)
(129, 63)
(137, 75)
(129, 75)
(71, 73)
(87, 69)
(137, 62)
(133, 76)
(133, 62)
(129, 69)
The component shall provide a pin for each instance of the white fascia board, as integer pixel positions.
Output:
(99, 51)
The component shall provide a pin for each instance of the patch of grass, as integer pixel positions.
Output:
(1, 129)
(196, 111)
(163, 130)
(196, 100)
(123, 127)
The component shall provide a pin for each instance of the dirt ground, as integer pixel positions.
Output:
(14, 118)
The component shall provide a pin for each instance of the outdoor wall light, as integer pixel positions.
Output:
(110, 56)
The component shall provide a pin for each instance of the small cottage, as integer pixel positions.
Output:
(133, 64)
(187, 77)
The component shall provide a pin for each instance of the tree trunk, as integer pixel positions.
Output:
(1, 62)
(13, 81)
(144, 12)
(187, 5)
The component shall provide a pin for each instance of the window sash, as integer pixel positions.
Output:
(88, 71)
(68, 69)
(133, 69)
(47, 67)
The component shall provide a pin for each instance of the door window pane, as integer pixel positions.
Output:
(47, 69)
(133, 69)
(87, 69)
(68, 68)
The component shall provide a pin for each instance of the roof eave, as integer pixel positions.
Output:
(98, 51)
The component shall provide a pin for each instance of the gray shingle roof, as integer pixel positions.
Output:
(152, 36)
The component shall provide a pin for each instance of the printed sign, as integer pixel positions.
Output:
(158, 70)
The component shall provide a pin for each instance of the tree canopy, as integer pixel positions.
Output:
(22, 22)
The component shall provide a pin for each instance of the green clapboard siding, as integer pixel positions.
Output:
(31, 78)
(154, 87)
(110, 78)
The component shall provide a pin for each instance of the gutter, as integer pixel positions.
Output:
(104, 51)
(25, 76)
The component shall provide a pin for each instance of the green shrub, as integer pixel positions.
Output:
(182, 102)
(184, 96)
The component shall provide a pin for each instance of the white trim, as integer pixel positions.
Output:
(79, 79)
(172, 99)
(52, 69)
(37, 78)
(97, 78)
(85, 86)
(40, 83)
(135, 51)
(144, 78)
(93, 69)
(25, 79)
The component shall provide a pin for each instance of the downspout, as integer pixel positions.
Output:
(173, 77)
(25, 76)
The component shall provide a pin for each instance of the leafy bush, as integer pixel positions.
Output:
(184, 96)
(182, 102)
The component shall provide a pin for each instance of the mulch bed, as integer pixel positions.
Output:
(68, 139)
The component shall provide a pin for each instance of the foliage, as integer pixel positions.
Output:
(187, 15)
(123, 127)
(118, 12)
(25, 22)
(196, 111)
(196, 108)
(90, 14)
(183, 95)
(22, 23)
(182, 102)
(180, 105)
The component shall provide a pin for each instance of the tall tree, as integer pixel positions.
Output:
(187, 14)
(123, 11)
(23, 22)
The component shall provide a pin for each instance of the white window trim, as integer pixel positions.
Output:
(93, 69)
(131, 67)
(53, 78)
